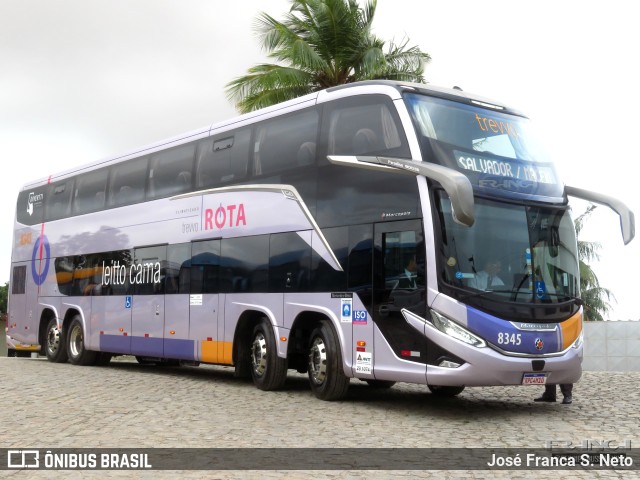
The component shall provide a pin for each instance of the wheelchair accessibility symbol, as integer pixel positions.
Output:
(127, 301)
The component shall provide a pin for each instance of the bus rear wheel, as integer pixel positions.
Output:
(55, 344)
(268, 370)
(76, 348)
(442, 391)
(326, 376)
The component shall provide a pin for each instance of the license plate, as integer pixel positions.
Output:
(534, 379)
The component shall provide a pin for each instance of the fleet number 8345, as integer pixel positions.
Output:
(509, 338)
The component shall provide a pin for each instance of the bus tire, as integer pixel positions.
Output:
(76, 348)
(268, 370)
(326, 376)
(442, 391)
(55, 343)
(381, 383)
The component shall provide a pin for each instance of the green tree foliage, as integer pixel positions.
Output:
(321, 44)
(4, 298)
(595, 297)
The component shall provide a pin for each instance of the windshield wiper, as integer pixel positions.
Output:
(481, 293)
(578, 300)
(514, 295)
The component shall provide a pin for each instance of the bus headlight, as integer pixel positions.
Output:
(454, 330)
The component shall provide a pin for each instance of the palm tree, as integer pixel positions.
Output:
(321, 44)
(594, 297)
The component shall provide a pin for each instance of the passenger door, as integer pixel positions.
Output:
(398, 282)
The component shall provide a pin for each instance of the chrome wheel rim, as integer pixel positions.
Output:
(318, 361)
(259, 354)
(53, 339)
(76, 341)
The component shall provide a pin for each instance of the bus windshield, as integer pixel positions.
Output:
(497, 151)
(515, 253)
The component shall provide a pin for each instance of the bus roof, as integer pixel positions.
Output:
(392, 88)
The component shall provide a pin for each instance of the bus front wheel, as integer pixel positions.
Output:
(76, 348)
(268, 370)
(326, 376)
(55, 345)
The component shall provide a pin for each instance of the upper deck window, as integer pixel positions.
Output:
(366, 125)
(89, 194)
(222, 159)
(285, 142)
(58, 200)
(170, 172)
(127, 182)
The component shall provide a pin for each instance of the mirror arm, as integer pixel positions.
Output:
(627, 219)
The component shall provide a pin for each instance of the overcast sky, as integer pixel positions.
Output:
(84, 80)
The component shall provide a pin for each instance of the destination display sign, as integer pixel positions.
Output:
(509, 176)
(505, 168)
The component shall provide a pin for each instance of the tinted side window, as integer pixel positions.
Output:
(146, 272)
(223, 158)
(127, 182)
(245, 264)
(65, 267)
(325, 278)
(364, 126)
(170, 172)
(205, 266)
(104, 273)
(58, 200)
(178, 270)
(89, 194)
(285, 142)
(360, 258)
(290, 262)
(18, 280)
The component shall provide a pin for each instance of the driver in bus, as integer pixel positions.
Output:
(407, 279)
(487, 278)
